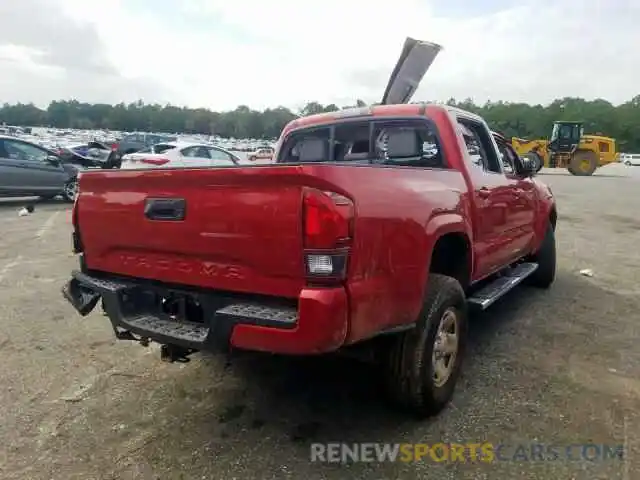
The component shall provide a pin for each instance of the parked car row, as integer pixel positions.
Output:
(30, 169)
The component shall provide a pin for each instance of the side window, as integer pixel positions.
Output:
(407, 143)
(307, 146)
(402, 143)
(195, 152)
(480, 146)
(506, 157)
(219, 157)
(24, 152)
(162, 147)
(132, 138)
(188, 152)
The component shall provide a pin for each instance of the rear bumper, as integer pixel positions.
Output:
(316, 323)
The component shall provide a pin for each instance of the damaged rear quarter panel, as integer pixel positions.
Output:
(392, 242)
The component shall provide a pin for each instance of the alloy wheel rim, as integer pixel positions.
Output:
(445, 349)
(71, 190)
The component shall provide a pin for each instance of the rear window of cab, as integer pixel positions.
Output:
(391, 142)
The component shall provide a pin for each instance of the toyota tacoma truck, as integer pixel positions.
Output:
(380, 226)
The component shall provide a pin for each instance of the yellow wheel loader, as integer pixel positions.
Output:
(569, 148)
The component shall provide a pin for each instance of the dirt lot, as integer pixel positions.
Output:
(559, 367)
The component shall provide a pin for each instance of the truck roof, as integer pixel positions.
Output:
(401, 110)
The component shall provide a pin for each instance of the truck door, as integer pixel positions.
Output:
(523, 213)
(493, 198)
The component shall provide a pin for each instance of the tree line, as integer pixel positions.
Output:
(621, 122)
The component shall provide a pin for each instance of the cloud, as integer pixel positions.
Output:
(46, 55)
(220, 53)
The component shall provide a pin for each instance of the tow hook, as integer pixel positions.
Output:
(173, 353)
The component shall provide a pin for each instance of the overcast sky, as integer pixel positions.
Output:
(221, 53)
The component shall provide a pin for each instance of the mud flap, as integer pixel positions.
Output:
(83, 299)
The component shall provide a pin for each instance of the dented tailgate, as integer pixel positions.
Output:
(236, 229)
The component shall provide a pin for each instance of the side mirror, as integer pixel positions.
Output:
(529, 165)
(53, 160)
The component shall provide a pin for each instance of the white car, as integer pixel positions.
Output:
(630, 159)
(180, 154)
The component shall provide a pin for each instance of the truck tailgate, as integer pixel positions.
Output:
(241, 229)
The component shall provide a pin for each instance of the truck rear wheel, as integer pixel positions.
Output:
(423, 364)
(583, 163)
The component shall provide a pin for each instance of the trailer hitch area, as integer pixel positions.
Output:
(173, 353)
(82, 298)
(122, 334)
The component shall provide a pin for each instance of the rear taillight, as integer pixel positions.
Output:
(328, 219)
(328, 233)
(76, 240)
(154, 161)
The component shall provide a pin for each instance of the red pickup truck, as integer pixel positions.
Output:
(379, 226)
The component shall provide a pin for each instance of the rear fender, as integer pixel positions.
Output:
(443, 224)
(437, 227)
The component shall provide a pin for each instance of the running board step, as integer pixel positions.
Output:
(487, 295)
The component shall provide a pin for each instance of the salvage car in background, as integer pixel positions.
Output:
(630, 159)
(135, 142)
(89, 155)
(28, 169)
(149, 152)
(262, 153)
(180, 155)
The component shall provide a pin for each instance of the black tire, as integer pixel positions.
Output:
(70, 187)
(409, 369)
(110, 162)
(545, 257)
(583, 163)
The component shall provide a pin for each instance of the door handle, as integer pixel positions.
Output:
(484, 192)
(167, 209)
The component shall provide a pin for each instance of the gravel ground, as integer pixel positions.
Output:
(558, 367)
